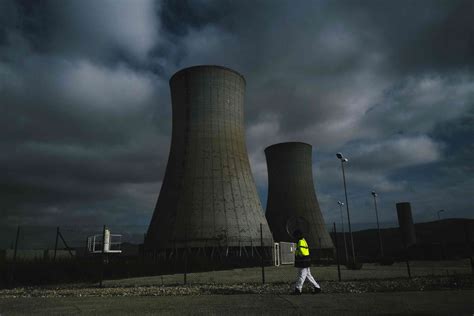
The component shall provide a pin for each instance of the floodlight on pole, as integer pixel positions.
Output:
(341, 204)
(343, 160)
(378, 226)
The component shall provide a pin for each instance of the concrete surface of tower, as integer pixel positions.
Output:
(291, 195)
(208, 197)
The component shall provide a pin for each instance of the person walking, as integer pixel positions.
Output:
(303, 262)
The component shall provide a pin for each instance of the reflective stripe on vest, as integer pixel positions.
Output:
(302, 248)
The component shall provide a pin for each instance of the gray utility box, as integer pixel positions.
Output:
(284, 253)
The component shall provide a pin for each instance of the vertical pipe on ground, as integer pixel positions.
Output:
(56, 243)
(262, 254)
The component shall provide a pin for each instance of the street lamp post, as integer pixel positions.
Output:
(343, 160)
(341, 204)
(378, 226)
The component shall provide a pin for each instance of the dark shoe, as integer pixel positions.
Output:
(296, 292)
(316, 290)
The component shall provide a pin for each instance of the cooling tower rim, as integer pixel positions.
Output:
(288, 143)
(208, 66)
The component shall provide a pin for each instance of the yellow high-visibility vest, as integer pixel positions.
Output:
(302, 248)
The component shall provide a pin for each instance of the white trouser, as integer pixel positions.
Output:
(304, 273)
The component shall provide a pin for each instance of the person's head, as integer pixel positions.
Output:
(298, 234)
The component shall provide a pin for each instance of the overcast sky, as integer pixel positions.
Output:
(85, 111)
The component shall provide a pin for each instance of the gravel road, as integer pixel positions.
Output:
(356, 286)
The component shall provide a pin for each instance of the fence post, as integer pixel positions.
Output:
(102, 257)
(408, 263)
(185, 257)
(262, 253)
(143, 251)
(12, 276)
(405, 247)
(86, 248)
(469, 247)
(56, 243)
(65, 243)
(337, 252)
(16, 244)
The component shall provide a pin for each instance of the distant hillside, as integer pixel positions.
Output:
(447, 238)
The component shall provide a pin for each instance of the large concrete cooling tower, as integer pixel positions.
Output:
(208, 196)
(291, 195)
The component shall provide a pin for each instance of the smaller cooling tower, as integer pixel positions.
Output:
(405, 221)
(291, 195)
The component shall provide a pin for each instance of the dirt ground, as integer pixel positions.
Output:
(437, 288)
(324, 273)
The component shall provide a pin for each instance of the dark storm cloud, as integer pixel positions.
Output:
(87, 28)
(372, 79)
(327, 61)
(179, 17)
(425, 35)
(81, 126)
(87, 118)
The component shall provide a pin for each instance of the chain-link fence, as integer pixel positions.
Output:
(38, 254)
